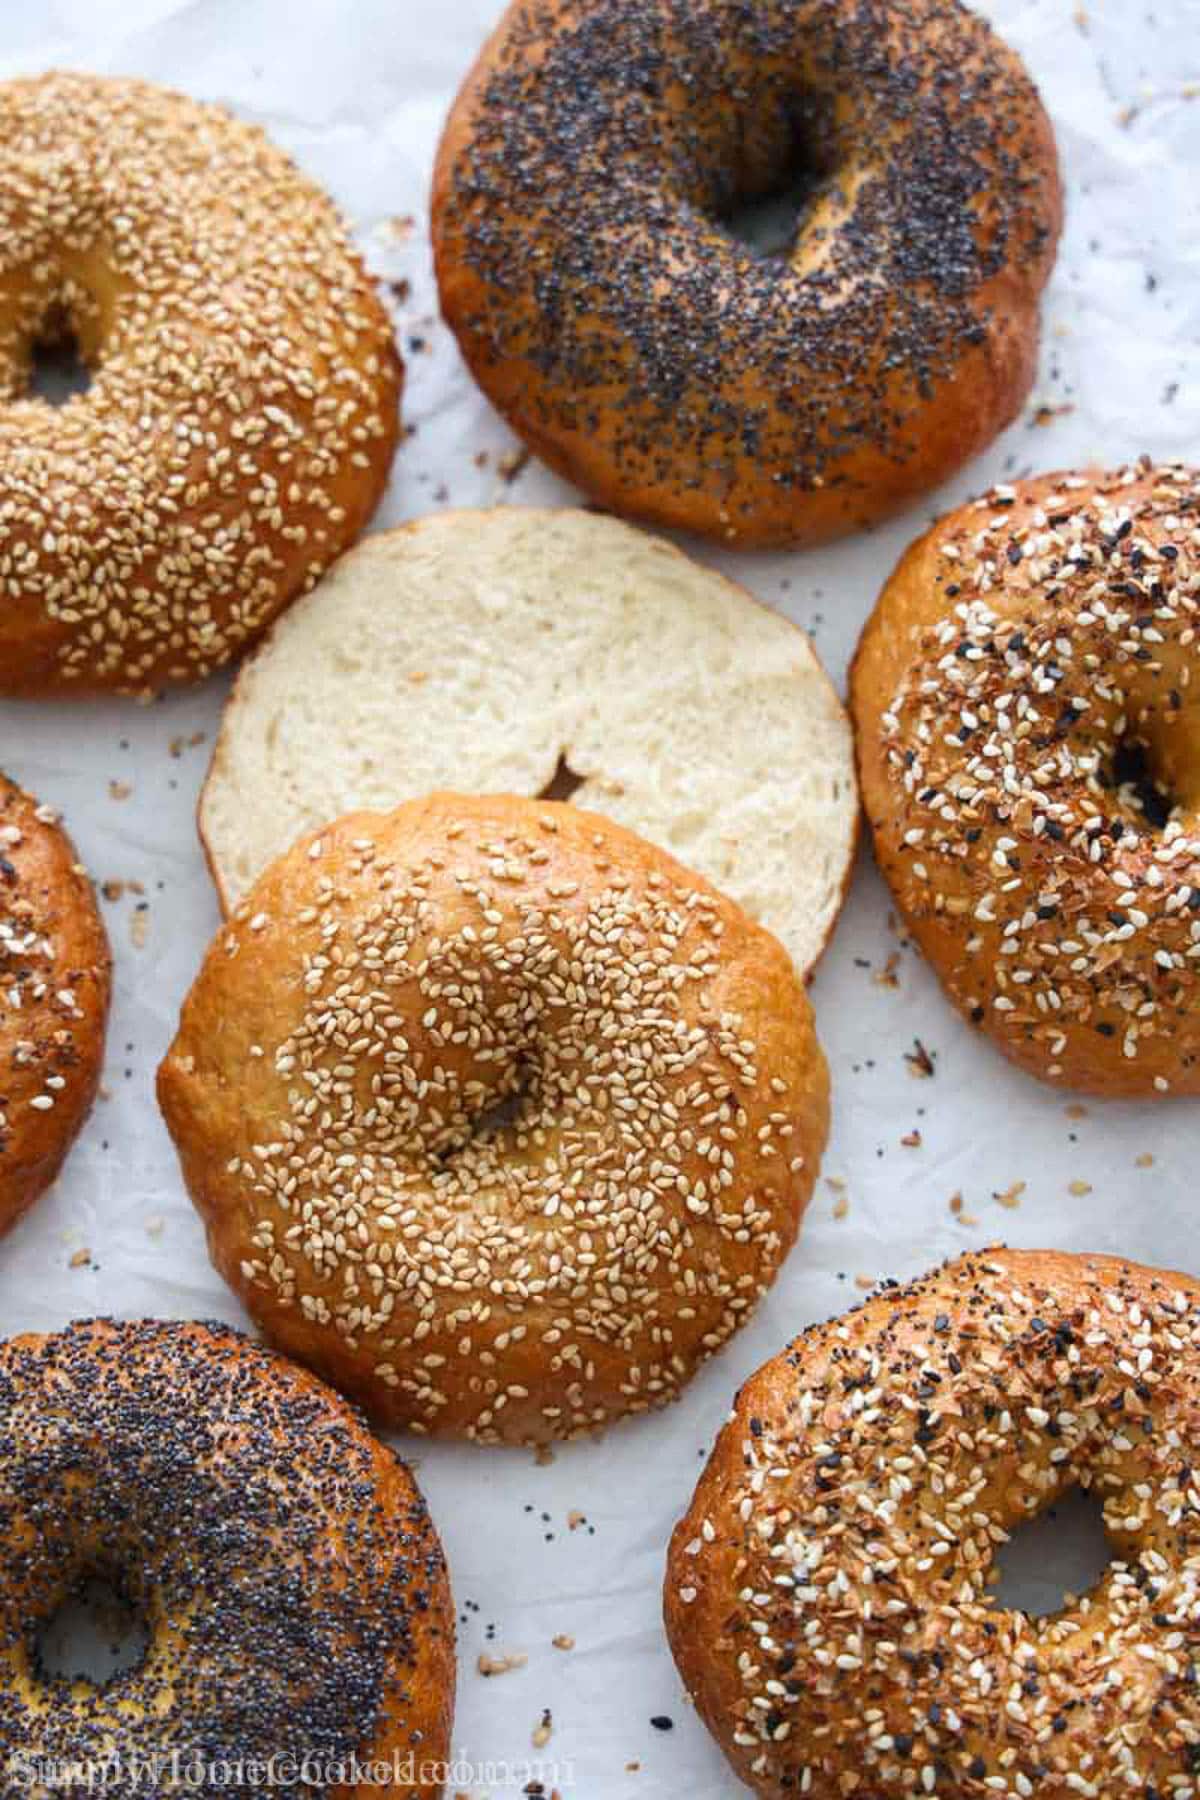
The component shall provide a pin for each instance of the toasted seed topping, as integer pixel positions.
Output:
(284, 1565)
(1041, 752)
(605, 149)
(54, 976)
(512, 1148)
(856, 1502)
(241, 413)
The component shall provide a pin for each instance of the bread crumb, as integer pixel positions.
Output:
(563, 1641)
(501, 1665)
(1045, 414)
(956, 1207)
(1011, 1196)
(513, 463)
(887, 976)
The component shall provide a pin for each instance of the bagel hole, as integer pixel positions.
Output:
(57, 370)
(1050, 1561)
(768, 223)
(501, 1115)
(563, 783)
(780, 176)
(1136, 779)
(96, 1635)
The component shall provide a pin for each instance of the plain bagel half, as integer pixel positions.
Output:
(547, 653)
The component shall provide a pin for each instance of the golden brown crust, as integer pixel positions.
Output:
(243, 410)
(388, 984)
(55, 976)
(293, 1586)
(675, 375)
(827, 1591)
(1028, 736)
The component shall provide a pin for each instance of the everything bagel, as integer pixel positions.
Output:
(1028, 735)
(55, 979)
(827, 1595)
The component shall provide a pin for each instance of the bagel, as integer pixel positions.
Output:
(490, 651)
(55, 978)
(293, 1591)
(581, 210)
(496, 1116)
(242, 411)
(1028, 734)
(827, 1593)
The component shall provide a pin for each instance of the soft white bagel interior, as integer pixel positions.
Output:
(478, 650)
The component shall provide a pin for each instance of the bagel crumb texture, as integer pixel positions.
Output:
(242, 410)
(292, 1586)
(605, 633)
(55, 977)
(1028, 730)
(827, 1593)
(496, 1115)
(583, 196)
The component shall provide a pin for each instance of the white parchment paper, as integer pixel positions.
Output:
(356, 90)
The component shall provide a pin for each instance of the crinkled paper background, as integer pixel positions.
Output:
(356, 90)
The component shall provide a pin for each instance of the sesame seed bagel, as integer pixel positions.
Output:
(496, 1115)
(242, 412)
(492, 651)
(291, 1585)
(582, 207)
(827, 1593)
(55, 976)
(1028, 736)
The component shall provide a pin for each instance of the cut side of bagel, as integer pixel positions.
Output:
(556, 653)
